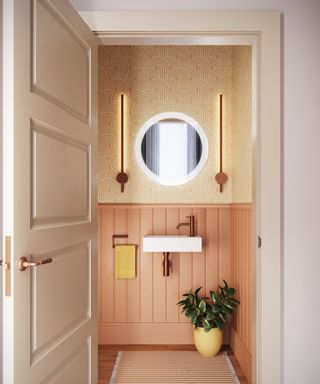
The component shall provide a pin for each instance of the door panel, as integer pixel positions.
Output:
(58, 160)
(73, 370)
(51, 134)
(59, 311)
(62, 54)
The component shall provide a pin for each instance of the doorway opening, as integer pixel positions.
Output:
(187, 77)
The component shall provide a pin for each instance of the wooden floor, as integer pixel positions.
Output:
(108, 354)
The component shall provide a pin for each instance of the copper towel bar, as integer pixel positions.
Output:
(118, 237)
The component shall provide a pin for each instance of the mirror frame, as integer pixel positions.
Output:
(190, 121)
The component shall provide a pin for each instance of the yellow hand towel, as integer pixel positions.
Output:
(125, 261)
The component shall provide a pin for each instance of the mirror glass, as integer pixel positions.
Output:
(171, 148)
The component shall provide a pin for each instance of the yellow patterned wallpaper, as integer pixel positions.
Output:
(157, 79)
(241, 124)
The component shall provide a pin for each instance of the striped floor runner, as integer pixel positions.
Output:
(172, 367)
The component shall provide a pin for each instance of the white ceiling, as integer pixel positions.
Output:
(181, 5)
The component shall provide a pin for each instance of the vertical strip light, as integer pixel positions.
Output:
(221, 177)
(122, 177)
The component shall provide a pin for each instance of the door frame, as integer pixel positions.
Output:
(261, 30)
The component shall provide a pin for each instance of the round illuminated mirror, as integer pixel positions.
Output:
(171, 148)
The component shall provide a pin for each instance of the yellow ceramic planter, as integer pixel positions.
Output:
(208, 343)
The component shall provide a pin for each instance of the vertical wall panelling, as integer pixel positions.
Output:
(212, 248)
(185, 260)
(146, 268)
(159, 281)
(99, 268)
(172, 298)
(199, 259)
(225, 246)
(133, 285)
(120, 285)
(106, 272)
(241, 268)
(143, 310)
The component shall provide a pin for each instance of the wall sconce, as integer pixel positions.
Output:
(221, 177)
(122, 177)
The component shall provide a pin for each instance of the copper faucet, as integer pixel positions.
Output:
(190, 225)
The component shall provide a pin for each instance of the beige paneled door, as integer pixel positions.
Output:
(50, 146)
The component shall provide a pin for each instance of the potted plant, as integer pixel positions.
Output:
(208, 316)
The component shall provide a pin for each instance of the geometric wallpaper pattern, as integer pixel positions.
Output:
(241, 124)
(157, 79)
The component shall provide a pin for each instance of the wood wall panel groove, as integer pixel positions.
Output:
(120, 285)
(146, 265)
(211, 249)
(159, 282)
(185, 260)
(133, 285)
(150, 299)
(172, 293)
(199, 259)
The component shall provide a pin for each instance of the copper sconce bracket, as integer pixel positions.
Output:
(122, 178)
(221, 178)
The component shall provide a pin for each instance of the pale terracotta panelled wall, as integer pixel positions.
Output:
(143, 310)
(242, 328)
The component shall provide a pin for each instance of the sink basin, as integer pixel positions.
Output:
(174, 243)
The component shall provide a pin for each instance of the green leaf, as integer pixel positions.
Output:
(216, 308)
(230, 311)
(188, 312)
(225, 284)
(229, 305)
(202, 306)
(191, 297)
(219, 324)
(181, 302)
(222, 291)
(197, 290)
(234, 300)
(206, 325)
(222, 317)
(210, 315)
(215, 297)
(231, 291)
(194, 318)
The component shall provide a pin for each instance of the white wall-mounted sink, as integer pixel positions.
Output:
(172, 243)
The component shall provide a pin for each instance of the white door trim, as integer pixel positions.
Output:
(262, 31)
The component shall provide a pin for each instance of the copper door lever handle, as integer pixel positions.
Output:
(24, 263)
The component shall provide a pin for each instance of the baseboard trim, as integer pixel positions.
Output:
(145, 333)
(151, 333)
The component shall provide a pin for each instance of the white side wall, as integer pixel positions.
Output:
(1, 234)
